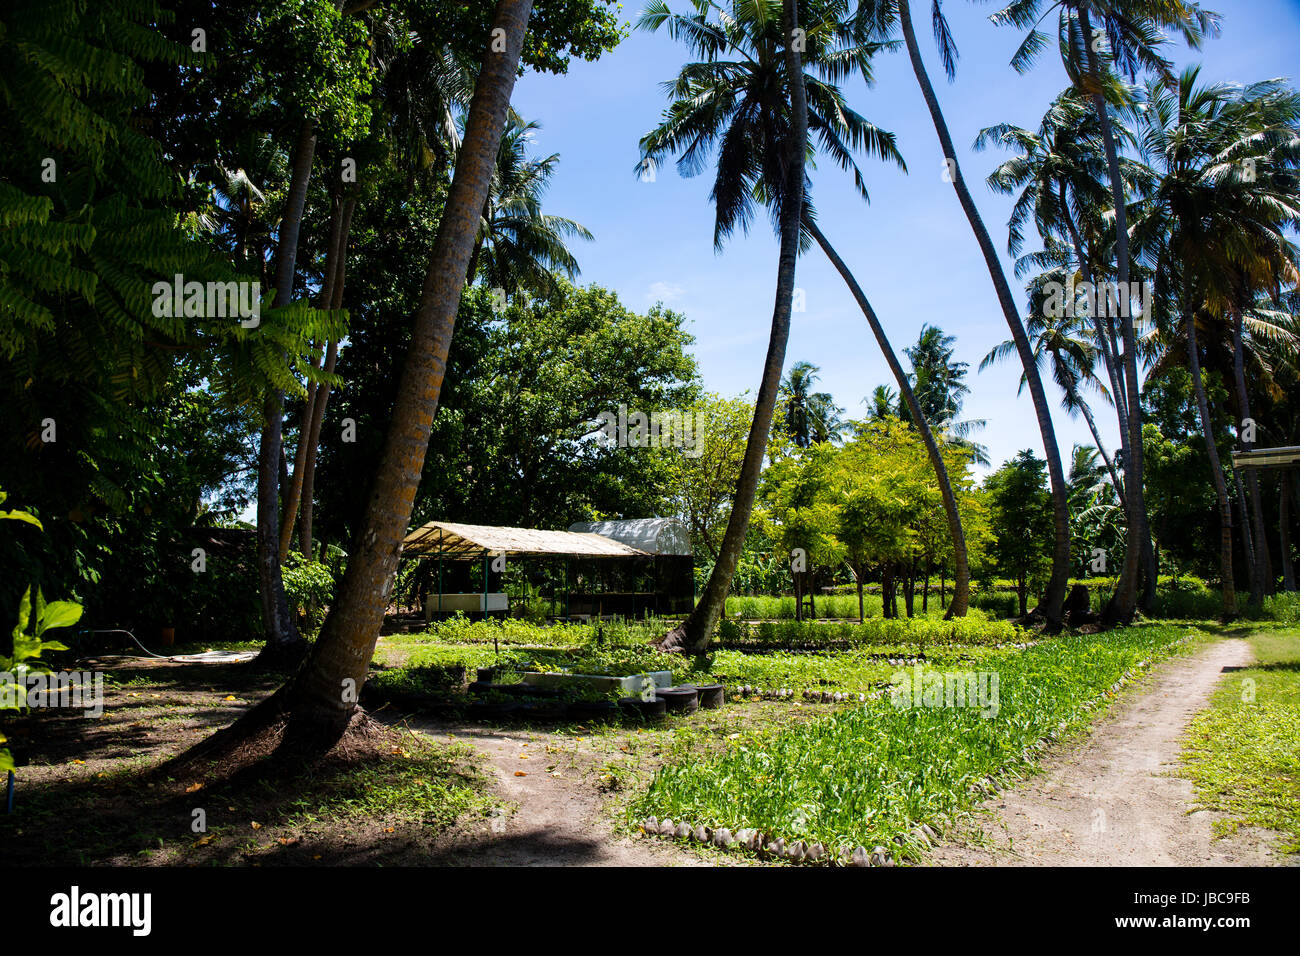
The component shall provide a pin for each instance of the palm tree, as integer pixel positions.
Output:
(812, 417)
(877, 18)
(1061, 343)
(519, 246)
(761, 115)
(1133, 33)
(1215, 215)
(284, 644)
(939, 382)
(1060, 168)
(424, 88)
(1062, 173)
(320, 699)
(881, 403)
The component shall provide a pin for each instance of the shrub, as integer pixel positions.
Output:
(915, 631)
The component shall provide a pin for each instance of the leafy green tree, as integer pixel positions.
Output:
(800, 511)
(1019, 505)
(702, 483)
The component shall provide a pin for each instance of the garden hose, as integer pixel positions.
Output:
(205, 657)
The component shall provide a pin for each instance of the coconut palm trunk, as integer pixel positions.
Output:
(1125, 599)
(694, 634)
(961, 597)
(1216, 469)
(1054, 597)
(322, 698)
(282, 638)
(1262, 580)
(1108, 360)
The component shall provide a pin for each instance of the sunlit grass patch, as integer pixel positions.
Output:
(1243, 753)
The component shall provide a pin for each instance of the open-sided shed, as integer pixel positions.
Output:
(588, 558)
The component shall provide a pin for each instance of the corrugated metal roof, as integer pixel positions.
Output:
(469, 541)
(1286, 457)
(654, 535)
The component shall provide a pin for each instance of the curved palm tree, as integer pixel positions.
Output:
(1060, 170)
(519, 246)
(1133, 31)
(1062, 175)
(878, 19)
(1062, 344)
(758, 117)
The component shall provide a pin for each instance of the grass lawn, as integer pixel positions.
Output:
(1243, 753)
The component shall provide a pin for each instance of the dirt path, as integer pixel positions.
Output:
(1112, 799)
(557, 818)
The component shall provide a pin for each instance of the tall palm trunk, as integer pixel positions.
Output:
(323, 393)
(1125, 599)
(1216, 469)
(282, 636)
(322, 699)
(1262, 580)
(1108, 360)
(961, 599)
(293, 493)
(320, 397)
(694, 634)
(1054, 597)
(1284, 533)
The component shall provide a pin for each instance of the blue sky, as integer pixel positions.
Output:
(910, 249)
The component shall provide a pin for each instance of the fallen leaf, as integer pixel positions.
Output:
(388, 829)
(521, 773)
(193, 787)
(203, 841)
(256, 825)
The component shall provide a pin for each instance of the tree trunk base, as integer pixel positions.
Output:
(282, 656)
(677, 641)
(266, 734)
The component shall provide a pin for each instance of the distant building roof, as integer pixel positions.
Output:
(652, 535)
(1287, 457)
